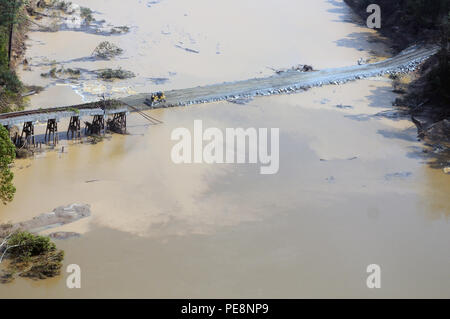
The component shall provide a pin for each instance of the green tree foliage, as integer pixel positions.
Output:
(9, 81)
(29, 245)
(31, 256)
(7, 156)
(9, 10)
(10, 85)
(9, 16)
(3, 47)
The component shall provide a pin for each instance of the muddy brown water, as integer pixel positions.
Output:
(353, 189)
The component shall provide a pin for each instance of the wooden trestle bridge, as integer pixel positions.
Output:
(106, 114)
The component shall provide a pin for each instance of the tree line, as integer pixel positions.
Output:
(10, 89)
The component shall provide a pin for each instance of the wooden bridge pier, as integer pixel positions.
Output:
(28, 131)
(99, 123)
(74, 127)
(115, 111)
(97, 126)
(51, 131)
(118, 123)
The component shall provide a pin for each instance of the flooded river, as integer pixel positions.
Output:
(353, 187)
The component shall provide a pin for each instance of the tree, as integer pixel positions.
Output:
(8, 17)
(7, 156)
(8, 12)
(29, 255)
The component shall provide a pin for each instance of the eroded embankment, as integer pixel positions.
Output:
(289, 82)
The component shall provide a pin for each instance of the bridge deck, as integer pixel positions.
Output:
(43, 115)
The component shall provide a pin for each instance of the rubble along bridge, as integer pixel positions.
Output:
(284, 82)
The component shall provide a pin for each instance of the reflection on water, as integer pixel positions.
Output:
(163, 230)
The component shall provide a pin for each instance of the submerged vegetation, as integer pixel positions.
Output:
(120, 30)
(58, 72)
(86, 14)
(107, 50)
(29, 255)
(110, 74)
(94, 139)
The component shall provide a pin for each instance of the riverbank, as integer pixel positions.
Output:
(404, 22)
(426, 94)
(12, 91)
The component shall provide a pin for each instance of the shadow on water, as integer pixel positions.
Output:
(346, 14)
(82, 59)
(408, 134)
(433, 154)
(436, 182)
(355, 40)
(381, 97)
(358, 40)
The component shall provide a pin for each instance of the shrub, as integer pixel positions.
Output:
(55, 72)
(7, 156)
(29, 245)
(31, 256)
(107, 50)
(10, 81)
(86, 14)
(109, 74)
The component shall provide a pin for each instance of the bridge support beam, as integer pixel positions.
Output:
(28, 131)
(97, 126)
(51, 132)
(74, 127)
(118, 123)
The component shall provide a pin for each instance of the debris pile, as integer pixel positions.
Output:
(107, 50)
(296, 68)
(110, 74)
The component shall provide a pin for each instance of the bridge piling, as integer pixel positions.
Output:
(97, 125)
(51, 131)
(118, 123)
(74, 127)
(28, 131)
